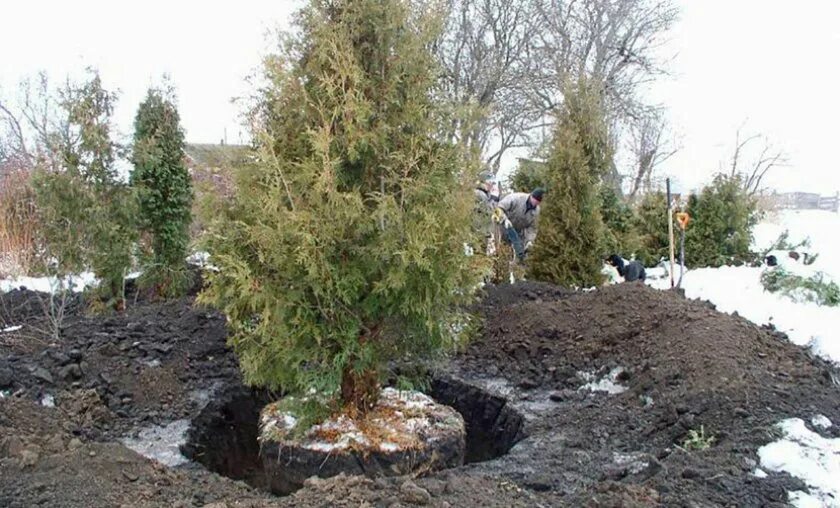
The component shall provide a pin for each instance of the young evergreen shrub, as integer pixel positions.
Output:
(570, 238)
(620, 235)
(722, 218)
(87, 211)
(164, 191)
(651, 226)
(528, 176)
(342, 251)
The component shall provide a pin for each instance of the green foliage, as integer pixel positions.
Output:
(698, 440)
(620, 235)
(342, 248)
(722, 218)
(528, 176)
(783, 243)
(163, 189)
(87, 213)
(568, 247)
(64, 209)
(817, 288)
(651, 226)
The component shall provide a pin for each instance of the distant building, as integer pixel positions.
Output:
(805, 201)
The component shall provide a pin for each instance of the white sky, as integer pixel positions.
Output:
(771, 63)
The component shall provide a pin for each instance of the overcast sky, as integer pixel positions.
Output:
(769, 63)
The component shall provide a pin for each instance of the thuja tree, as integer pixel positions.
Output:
(570, 239)
(651, 225)
(87, 210)
(342, 250)
(163, 189)
(722, 218)
(620, 237)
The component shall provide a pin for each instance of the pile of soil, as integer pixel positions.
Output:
(683, 364)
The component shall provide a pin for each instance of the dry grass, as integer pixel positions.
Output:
(18, 224)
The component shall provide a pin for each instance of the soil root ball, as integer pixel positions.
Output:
(406, 433)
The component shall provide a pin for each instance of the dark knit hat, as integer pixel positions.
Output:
(538, 193)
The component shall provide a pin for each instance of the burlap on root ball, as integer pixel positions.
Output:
(407, 432)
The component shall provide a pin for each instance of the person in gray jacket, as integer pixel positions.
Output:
(486, 197)
(518, 214)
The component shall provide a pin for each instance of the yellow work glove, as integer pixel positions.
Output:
(499, 216)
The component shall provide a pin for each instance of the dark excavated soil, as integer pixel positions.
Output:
(684, 365)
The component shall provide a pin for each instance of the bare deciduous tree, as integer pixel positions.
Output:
(34, 128)
(650, 146)
(752, 170)
(486, 53)
(614, 42)
(506, 62)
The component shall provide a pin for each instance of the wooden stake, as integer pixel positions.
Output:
(670, 227)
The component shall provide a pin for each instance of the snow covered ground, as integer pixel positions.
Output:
(739, 289)
(77, 283)
(806, 455)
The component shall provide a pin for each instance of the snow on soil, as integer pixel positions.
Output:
(77, 283)
(739, 289)
(608, 383)
(48, 400)
(161, 443)
(11, 329)
(417, 414)
(808, 456)
(821, 422)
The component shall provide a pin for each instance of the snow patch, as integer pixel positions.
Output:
(801, 499)
(610, 273)
(608, 383)
(11, 329)
(808, 456)
(202, 260)
(48, 400)
(161, 443)
(821, 422)
(399, 420)
(759, 473)
(76, 283)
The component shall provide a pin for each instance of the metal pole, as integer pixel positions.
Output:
(682, 256)
(670, 227)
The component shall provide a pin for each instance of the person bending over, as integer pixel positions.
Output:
(517, 213)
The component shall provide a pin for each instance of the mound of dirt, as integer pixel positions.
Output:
(594, 394)
(633, 370)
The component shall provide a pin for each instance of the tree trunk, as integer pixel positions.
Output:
(360, 390)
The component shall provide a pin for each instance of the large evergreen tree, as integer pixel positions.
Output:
(570, 239)
(164, 189)
(342, 250)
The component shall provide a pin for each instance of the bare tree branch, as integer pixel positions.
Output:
(766, 159)
(650, 147)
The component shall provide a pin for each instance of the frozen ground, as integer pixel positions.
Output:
(739, 289)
